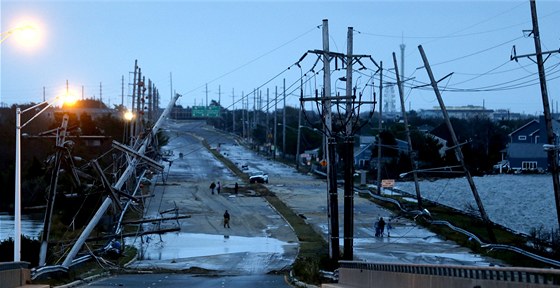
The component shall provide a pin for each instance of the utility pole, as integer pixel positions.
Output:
(60, 139)
(134, 84)
(380, 127)
(243, 118)
(332, 199)
(299, 125)
(411, 153)
(402, 46)
(349, 155)
(233, 110)
(275, 121)
(457, 147)
(267, 120)
(552, 153)
(122, 91)
(284, 124)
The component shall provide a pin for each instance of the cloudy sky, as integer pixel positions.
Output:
(235, 47)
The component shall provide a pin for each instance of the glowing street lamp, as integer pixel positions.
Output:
(26, 34)
(17, 200)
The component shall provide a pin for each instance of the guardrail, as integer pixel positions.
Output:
(363, 274)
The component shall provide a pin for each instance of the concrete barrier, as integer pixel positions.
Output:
(390, 275)
(14, 274)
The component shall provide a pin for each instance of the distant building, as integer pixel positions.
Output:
(460, 112)
(504, 114)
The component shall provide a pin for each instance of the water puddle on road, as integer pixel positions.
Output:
(186, 245)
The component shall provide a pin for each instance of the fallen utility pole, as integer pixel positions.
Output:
(457, 147)
(60, 142)
(124, 177)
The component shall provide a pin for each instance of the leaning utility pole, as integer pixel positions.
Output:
(61, 133)
(411, 153)
(457, 147)
(552, 153)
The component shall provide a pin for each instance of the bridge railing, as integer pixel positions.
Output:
(367, 274)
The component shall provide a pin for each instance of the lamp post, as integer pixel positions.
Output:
(17, 192)
(17, 199)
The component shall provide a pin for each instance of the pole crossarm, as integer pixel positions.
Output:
(106, 184)
(516, 57)
(152, 163)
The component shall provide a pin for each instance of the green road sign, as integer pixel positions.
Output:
(203, 111)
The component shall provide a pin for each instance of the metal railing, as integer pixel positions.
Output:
(505, 274)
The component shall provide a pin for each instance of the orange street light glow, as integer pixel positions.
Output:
(128, 115)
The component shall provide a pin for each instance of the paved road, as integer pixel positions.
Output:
(259, 240)
(191, 281)
(306, 195)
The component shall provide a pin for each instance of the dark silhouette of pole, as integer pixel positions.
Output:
(349, 157)
(407, 130)
(553, 153)
(332, 199)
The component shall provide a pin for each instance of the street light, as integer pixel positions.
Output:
(17, 200)
(27, 32)
(446, 169)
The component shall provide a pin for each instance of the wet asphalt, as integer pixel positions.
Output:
(259, 240)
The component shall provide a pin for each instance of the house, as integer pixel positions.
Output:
(525, 149)
(363, 152)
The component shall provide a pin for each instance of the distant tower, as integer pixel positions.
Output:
(402, 64)
(389, 99)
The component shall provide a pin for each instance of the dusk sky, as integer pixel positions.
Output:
(242, 45)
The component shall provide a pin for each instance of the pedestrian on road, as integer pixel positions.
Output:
(212, 186)
(380, 227)
(236, 189)
(218, 187)
(226, 219)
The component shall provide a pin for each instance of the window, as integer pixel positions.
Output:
(529, 165)
(522, 137)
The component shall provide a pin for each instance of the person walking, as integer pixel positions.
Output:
(226, 219)
(380, 227)
(212, 186)
(236, 188)
(218, 187)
